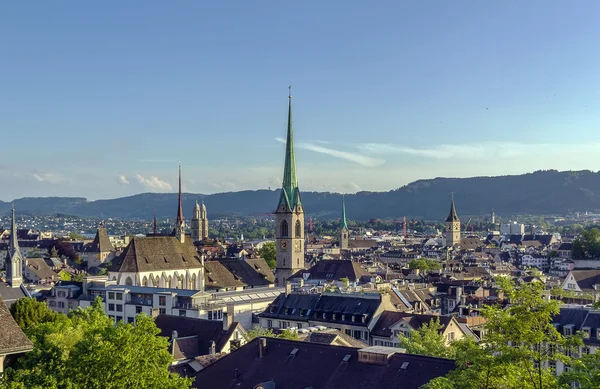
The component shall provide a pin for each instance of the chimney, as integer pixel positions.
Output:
(459, 292)
(301, 282)
(288, 288)
(174, 335)
(262, 347)
(173, 340)
(228, 317)
(212, 347)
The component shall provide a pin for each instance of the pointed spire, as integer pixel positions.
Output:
(155, 229)
(452, 217)
(343, 223)
(290, 181)
(14, 241)
(179, 220)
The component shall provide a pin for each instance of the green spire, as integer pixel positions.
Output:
(343, 223)
(290, 194)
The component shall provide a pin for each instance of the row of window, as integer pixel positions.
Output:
(356, 334)
(115, 296)
(119, 307)
(284, 229)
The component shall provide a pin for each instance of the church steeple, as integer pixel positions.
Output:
(290, 194)
(14, 259)
(155, 229)
(344, 232)
(452, 217)
(452, 226)
(289, 216)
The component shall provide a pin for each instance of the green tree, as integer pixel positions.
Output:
(53, 252)
(76, 236)
(587, 245)
(585, 371)
(64, 276)
(424, 264)
(269, 253)
(427, 340)
(261, 332)
(520, 341)
(28, 312)
(87, 350)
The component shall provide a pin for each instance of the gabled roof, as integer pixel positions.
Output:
(156, 253)
(299, 365)
(101, 242)
(334, 270)
(12, 338)
(586, 279)
(390, 318)
(333, 337)
(565, 247)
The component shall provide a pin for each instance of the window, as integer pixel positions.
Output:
(61, 304)
(284, 229)
(138, 309)
(357, 334)
(129, 319)
(270, 323)
(119, 318)
(182, 312)
(280, 324)
(586, 332)
(111, 295)
(162, 300)
(128, 281)
(119, 296)
(567, 331)
(163, 311)
(111, 307)
(299, 326)
(119, 307)
(62, 294)
(298, 229)
(365, 335)
(215, 315)
(348, 332)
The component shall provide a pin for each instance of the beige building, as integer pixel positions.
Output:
(452, 227)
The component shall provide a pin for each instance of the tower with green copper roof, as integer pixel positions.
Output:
(289, 215)
(344, 232)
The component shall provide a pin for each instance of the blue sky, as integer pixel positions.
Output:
(102, 99)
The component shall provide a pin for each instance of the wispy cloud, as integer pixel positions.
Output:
(153, 183)
(123, 180)
(471, 151)
(358, 158)
(49, 177)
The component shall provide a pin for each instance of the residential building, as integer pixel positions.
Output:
(390, 324)
(278, 363)
(352, 313)
(583, 282)
(341, 272)
(289, 216)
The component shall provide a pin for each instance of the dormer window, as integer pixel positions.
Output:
(343, 317)
(568, 330)
(586, 331)
(324, 315)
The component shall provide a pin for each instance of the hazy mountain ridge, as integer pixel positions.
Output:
(541, 192)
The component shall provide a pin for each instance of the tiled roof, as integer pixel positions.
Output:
(101, 242)
(230, 273)
(586, 279)
(389, 318)
(12, 338)
(299, 365)
(156, 253)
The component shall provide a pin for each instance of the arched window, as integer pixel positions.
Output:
(284, 228)
(128, 281)
(169, 284)
(194, 286)
(180, 282)
(145, 281)
(298, 229)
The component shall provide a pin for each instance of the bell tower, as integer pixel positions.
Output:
(452, 226)
(289, 216)
(14, 259)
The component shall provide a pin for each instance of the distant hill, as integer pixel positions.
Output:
(542, 192)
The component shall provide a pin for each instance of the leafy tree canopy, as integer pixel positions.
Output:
(424, 264)
(269, 253)
(87, 350)
(427, 340)
(587, 245)
(28, 312)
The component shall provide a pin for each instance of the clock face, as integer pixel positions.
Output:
(283, 244)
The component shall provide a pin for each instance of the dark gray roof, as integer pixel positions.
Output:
(334, 270)
(586, 279)
(9, 294)
(101, 242)
(157, 253)
(389, 318)
(299, 365)
(229, 273)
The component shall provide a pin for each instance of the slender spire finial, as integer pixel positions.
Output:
(343, 223)
(155, 226)
(290, 195)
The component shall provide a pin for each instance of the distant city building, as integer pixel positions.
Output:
(452, 227)
(512, 229)
(100, 250)
(289, 216)
(13, 289)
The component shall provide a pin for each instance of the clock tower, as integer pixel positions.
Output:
(452, 227)
(289, 216)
